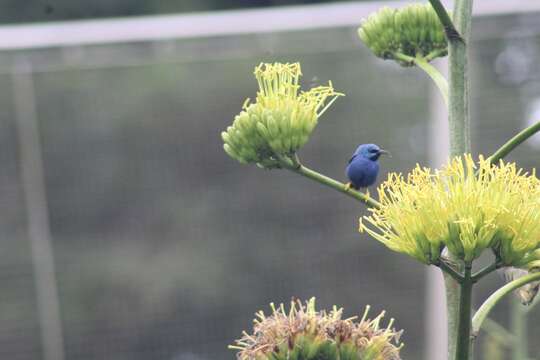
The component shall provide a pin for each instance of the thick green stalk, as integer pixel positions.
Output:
(464, 320)
(459, 81)
(298, 168)
(491, 301)
(458, 119)
(453, 291)
(514, 142)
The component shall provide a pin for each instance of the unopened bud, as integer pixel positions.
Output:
(414, 31)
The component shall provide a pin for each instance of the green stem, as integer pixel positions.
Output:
(450, 271)
(490, 303)
(464, 320)
(435, 75)
(519, 329)
(453, 292)
(458, 124)
(459, 81)
(514, 142)
(429, 69)
(449, 29)
(295, 166)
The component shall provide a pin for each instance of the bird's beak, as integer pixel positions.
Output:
(384, 152)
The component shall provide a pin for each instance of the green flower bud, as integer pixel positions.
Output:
(303, 333)
(414, 31)
(281, 120)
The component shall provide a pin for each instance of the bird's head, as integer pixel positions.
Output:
(370, 151)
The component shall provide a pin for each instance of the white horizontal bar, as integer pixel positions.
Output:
(182, 26)
(232, 22)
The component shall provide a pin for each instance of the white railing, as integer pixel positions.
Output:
(208, 24)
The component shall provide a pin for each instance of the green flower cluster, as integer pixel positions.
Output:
(303, 333)
(413, 31)
(280, 121)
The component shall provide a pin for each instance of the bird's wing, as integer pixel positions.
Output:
(352, 158)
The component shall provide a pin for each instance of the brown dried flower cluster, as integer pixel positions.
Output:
(305, 333)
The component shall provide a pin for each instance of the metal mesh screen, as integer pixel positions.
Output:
(164, 247)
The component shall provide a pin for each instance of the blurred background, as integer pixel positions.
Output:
(126, 231)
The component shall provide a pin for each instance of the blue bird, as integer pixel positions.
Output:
(363, 167)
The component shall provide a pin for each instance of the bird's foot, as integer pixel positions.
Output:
(348, 186)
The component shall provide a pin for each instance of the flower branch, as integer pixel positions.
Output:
(490, 303)
(295, 166)
(514, 142)
(448, 269)
(451, 33)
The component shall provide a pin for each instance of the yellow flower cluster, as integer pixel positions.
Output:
(281, 119)
(414, 30)
(465, 206)
(303, 333)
